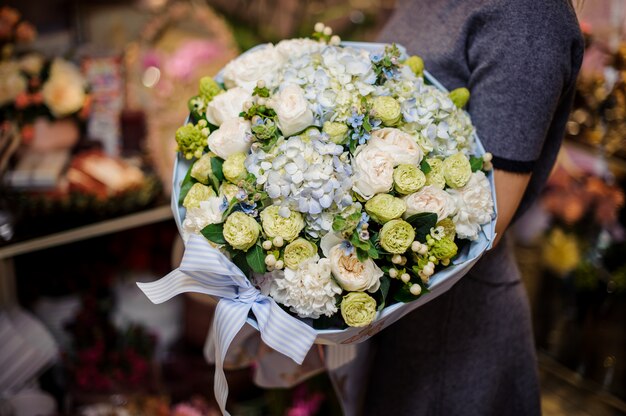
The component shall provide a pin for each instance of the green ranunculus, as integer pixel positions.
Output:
(241, 231)
(298, 251)
(416, 64)
(234, 169)
(197, 193)
(274, 225)
(191, 140)
(435, 176)
(457, 170)
(358, 309)
(444, 248)
(337, 132)
(384, 207)
(201, 169)
(209, 88)
(387, 109)
(229, 190)
(408, 179)
(460, 97)
(396, 236)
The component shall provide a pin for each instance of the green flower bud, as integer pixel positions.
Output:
(229, 190)
(435, 176)
(384, 208)
(197, 193)
(460, 97)
(416, 64)
(396, 236)
(408, 179)
(241, 231)
(234, 169)
(449, 229)
(387, 109)
(337, 132)
(358, 309)
(190, 141)
(201, 169)
(457, 170)
(209, 88)
(274, 225)
(265, 130)
(298, 251)
(444, 248)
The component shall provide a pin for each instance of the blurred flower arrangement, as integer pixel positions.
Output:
(584, 211)
(104, 359)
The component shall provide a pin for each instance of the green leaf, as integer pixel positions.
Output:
(255, 257)
(214, 233)
(339, 223)
(358, 243)
(404, 295)
(240, 261)
(476, 163)
(425, 167)
(186, 185)
(352, 146)
(216, 168)
(366, 124)
(361, 255)
(422, 223)
(385, 282)
(372, 252)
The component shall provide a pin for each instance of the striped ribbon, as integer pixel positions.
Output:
(205, 270)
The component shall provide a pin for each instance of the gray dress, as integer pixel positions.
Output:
(471, 351)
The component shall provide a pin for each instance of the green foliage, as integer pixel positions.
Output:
(422, 223)
(255, 257)
(214, 233)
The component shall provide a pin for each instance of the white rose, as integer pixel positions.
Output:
(227, 105)
(233, 136)
(12, 83)
(247, 69)
(474, 206)
(401, 146)
(64, 92)
(295, 48)
(352, 274)
(372, 170)
(430, 199)
(292, 109)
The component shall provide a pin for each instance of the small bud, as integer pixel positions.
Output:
(247, 105)
(328, 31)
(402, 260)
(270, 260)
(260, 83)
(278, 241)
(487, 166)
(393, 273)
(415, 289)
(365, 226)
(405, 277)
(319, 27)
(460, 97)
(261, 101)
(423, 276)
(334, 40)
(423, 249)
(432, 258)
(270, 268)
(487, 157)
(415, 246)
(445, 262)
(396, 259)
(279, 265)
(267, 245)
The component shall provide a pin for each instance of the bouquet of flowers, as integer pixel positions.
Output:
(339, 181)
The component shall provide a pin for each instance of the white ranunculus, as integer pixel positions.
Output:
(352, 274)
(401, 146)
(430, 199)
(292, 109)
(233, 136)
(372, 170)
(227, 105)
(12, 83)
(295, 48)
(309, 291)
(261, 64)
(64, 91)
(209, 212)
(474, 206)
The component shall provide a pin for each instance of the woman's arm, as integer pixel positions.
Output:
(510, 188)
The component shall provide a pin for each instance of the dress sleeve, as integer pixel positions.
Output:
(521, 66)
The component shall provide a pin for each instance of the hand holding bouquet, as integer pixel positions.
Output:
(339, 179)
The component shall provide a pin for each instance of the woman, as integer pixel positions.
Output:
(471, 351)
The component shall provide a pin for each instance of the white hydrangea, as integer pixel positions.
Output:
(474, 206)
(209, 212)
(309, 291)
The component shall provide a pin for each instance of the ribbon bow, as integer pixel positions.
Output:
(205, 270)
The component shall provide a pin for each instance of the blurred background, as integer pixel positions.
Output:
(91, 93)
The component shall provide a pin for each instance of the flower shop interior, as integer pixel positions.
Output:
(92, 93)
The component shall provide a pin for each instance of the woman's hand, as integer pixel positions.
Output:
(510, 188)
